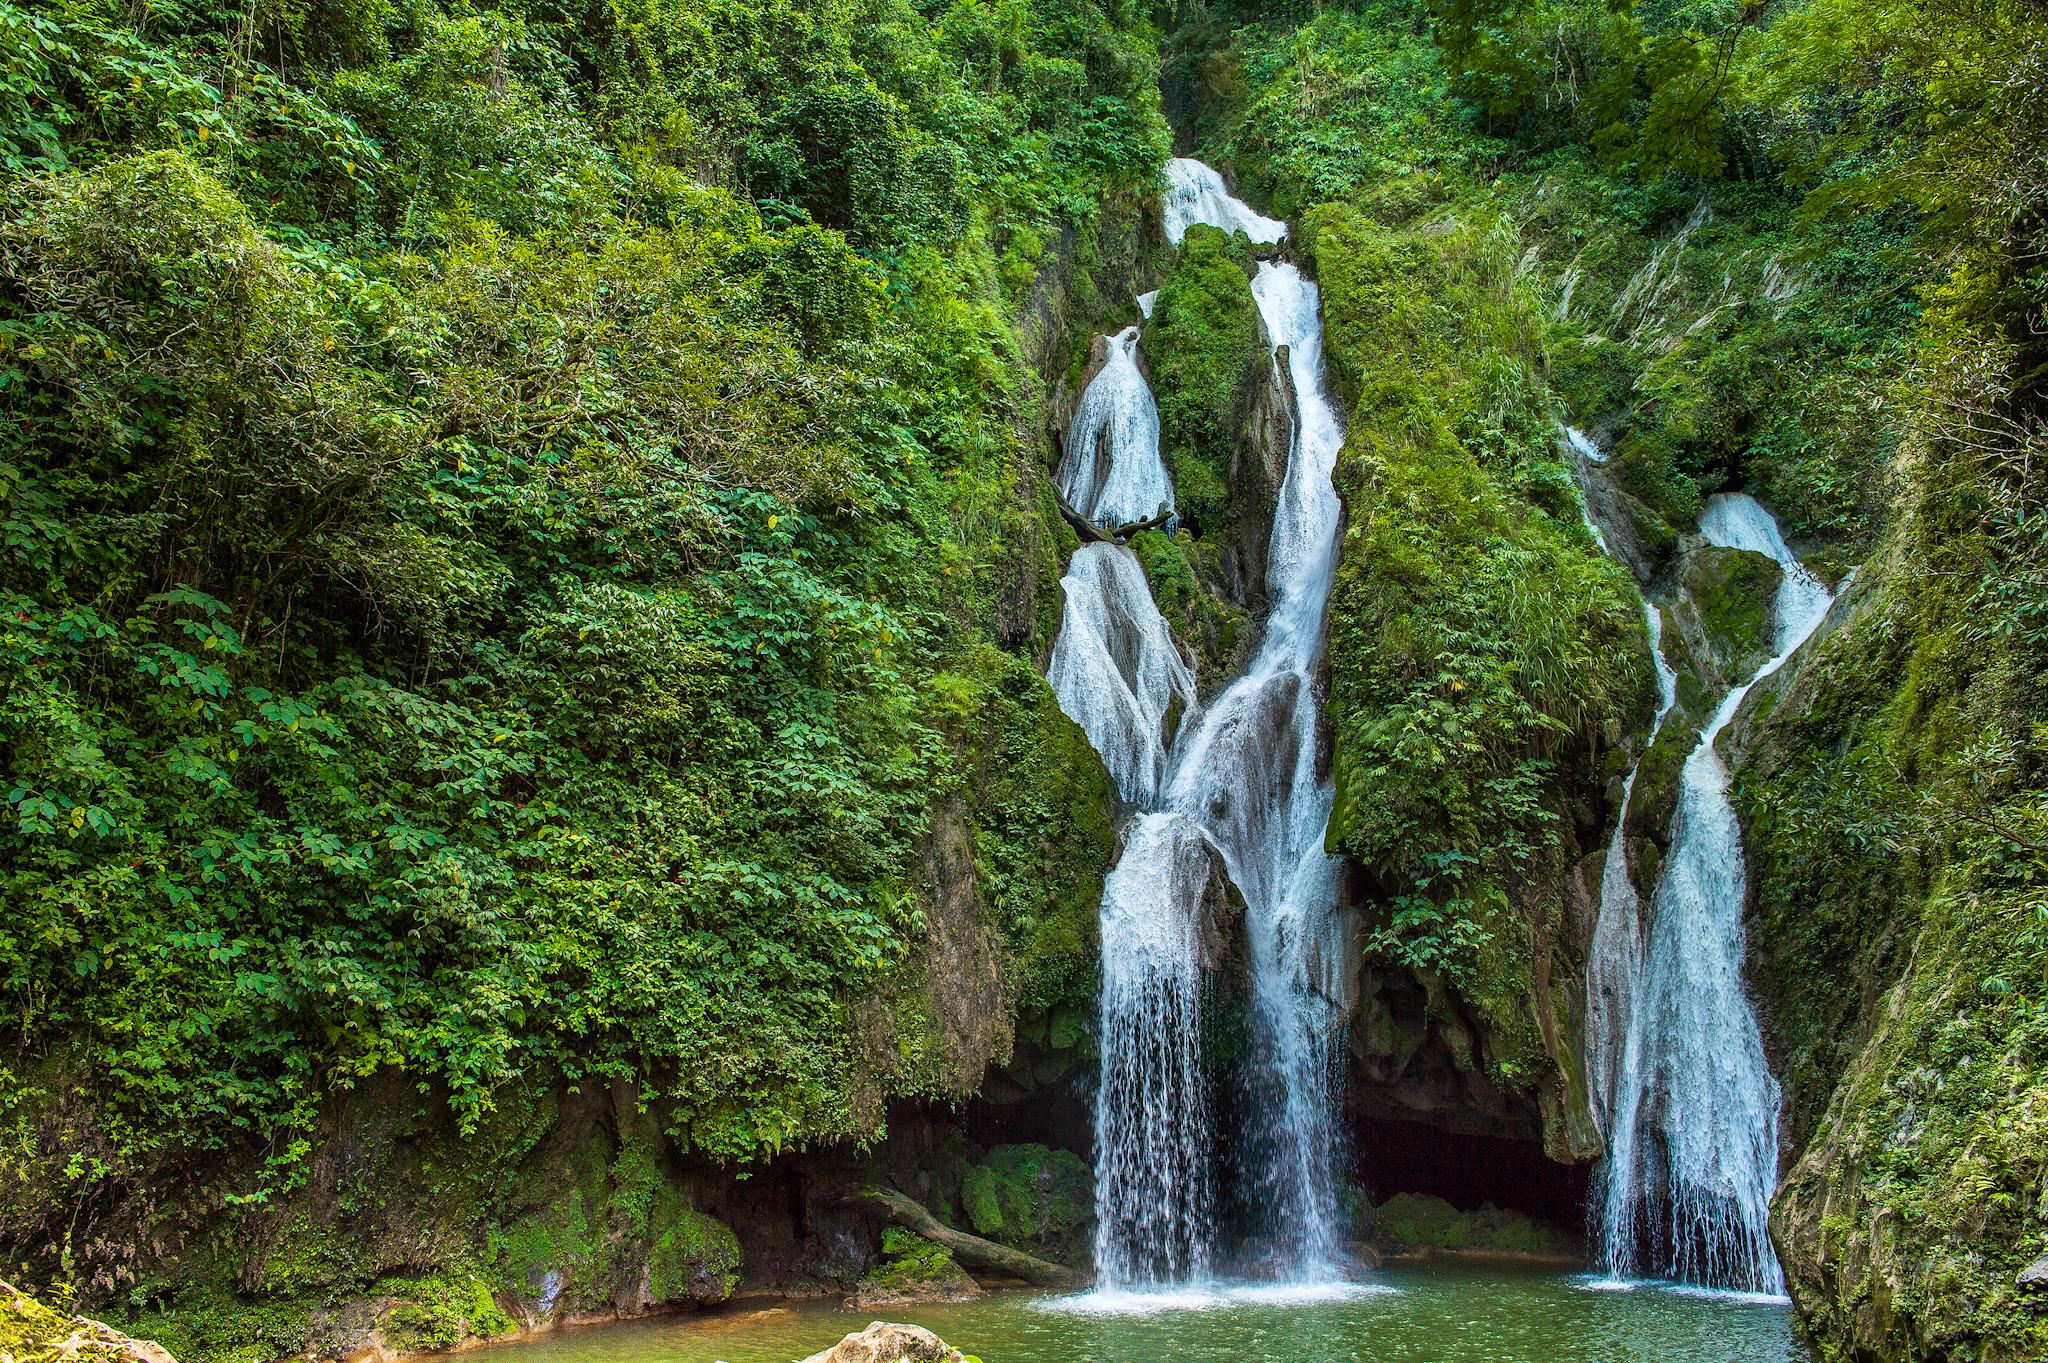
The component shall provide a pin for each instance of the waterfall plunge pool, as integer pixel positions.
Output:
(1431, 1314)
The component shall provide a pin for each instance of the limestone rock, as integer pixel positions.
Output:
(882, 1342)
(33, 1333)
(2034, 1277)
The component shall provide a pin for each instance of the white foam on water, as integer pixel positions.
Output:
(1215, 1296)
(1196, 193)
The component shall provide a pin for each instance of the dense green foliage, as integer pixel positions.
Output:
(1476, 634)
(507, 513)
(1707, 327)
(517, 516)
(1204, 348)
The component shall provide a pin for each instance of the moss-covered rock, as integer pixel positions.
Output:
(1204, 347)
(1732, 593)
(913, 1269)
(1408, 1222)
(1032, 1197)
(1190, 581)
(696, 1259)
(439, 1312)
(31, 1332)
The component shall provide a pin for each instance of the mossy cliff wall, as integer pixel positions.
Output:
(1481, 648)
(1891, 791)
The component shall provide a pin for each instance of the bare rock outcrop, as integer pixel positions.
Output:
(882, 1342)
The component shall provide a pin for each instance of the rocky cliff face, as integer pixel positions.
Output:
(1897, 941)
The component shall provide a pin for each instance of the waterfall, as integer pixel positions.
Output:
(1153, 1201)
(1588, 448)
(1196, 193)
(1587, 454)
(1616, 953)
(1116, 669)
(1236, 785)
(1692, 1124)
(1111, 471)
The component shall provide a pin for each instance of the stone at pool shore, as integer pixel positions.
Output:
(916, 1271)
(882, 1342)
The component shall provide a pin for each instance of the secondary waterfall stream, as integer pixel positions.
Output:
(1235, 784)
(1685, 1096)
(1111, 472)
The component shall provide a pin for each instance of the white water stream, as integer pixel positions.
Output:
(1616, 954)
(1111, 471)
(1690, 1107)
(1237, 783)
(1196, 193)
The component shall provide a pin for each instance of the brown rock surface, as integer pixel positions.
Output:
(882, 1342)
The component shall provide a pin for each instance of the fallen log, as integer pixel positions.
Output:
(972, 1250)
(1123, 533)
(1088, 530)
(1091, 533)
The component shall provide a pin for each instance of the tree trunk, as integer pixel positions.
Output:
(972, 1250)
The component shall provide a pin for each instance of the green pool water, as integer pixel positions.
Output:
(1422, 1315)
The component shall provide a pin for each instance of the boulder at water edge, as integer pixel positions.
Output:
(882, 1342)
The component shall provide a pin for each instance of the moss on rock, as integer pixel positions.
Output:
(31, 1332)
(1204, 347)
(1031, 1196)
(1417, 1221)
(1734, 592)
(696, 1258)
(1188, 580)
(913, 1269)
(1478, 641)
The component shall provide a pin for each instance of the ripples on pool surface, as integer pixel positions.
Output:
(1432, 1315)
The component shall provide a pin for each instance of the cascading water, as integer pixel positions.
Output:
(1239, 786)
(1616, 953)
(1196, 193)
(1111, 471)
(1118, 674)
(1692, 1121)
(1587, 453)
(1115, 668)
(1153, 1200)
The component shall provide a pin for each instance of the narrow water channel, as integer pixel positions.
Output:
(1436, 1314)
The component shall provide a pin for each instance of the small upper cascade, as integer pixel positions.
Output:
(1111, 471)
(1736, 520)
(1115, 667)
(1146, 302)
(1586, 453)
(1195, 192)
(1692, 1133)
